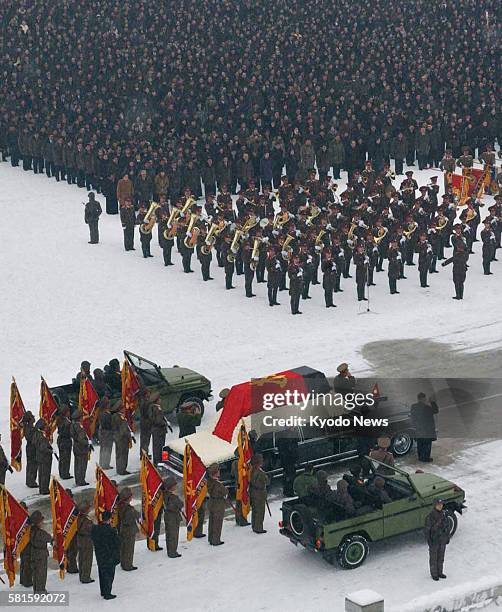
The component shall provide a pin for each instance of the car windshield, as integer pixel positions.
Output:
(148, 371)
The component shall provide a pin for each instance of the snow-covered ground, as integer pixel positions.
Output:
(63, 300)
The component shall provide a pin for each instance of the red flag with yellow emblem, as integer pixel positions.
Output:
(152, 497)
(130, 388)
(17, 411)
(87, 400)
(15, 531)
(194, 488)
(64, 522)
(48, 409)
(106, 496)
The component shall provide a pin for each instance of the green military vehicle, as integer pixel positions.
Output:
(175, 385)
(324, 527)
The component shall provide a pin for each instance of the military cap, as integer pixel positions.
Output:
(169, 483)
(409, 173)
(125, 494)
(213, 469)
(343, 367)
(36, 517)
(383, 442)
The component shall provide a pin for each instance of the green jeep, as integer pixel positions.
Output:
(324, 527)
(175, 385)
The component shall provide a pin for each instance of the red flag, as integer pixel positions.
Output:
(48, 409)
(106, 496)
(152, 497)
(247, 398)
(87, 400)
(64, 522)
(130, 388)
(17, 411)
(15, 531)
(243, 470)
(194, 488)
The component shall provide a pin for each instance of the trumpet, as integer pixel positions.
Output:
(192, 232)
(149, 220)
(254, 253)
(214, 231)
(286, 248)
(234, 246)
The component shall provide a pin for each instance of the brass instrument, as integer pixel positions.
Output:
(471, 213)
(190, 201)
(319, 244)
(192, 234)
(315, 211)
(254, 253)
(250, 223)
(280, 219)
(214, 231)
(286, 248)
(172, 225)
(442, 223)
(234, 246)
(350, 235)
(382, 232)
(149, 221)
(411, 228)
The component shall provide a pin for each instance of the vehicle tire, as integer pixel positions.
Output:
(300, 521)
(452, 521)
(352, 552)
(401, 444)
(192, 398)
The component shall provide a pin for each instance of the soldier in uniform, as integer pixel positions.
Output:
(305, 483)
(166, 244)
(173, 507)
(394, 266)
(105, 433)
(127, 529)
(218, 494)
(382, 454)
(25, 566)
(122, 437)
(39, 538)
(459, 261)
(329, 278)
(81, 448)
(422, 416)
(295, 273)
(273, 275)
(466, 160)
(437, 534)
(159, 431)
(228, 260)
(92, 213)
(30, 434)
(44, 457)
(258, 484)
(72, 550)
(4, 464)
(84, 543)
(128, 220)
(424, 259)
(144, 237)
(488, 252)
(361, 262)
(447, 165)
(107, 549)
(189, 418)
(248, 269)
(64, 443)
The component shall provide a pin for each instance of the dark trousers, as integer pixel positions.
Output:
(423, 276)
(393, 285)
(272, 294)
(459, 289)
(436, 559)
(106, 575)
(14, 157)
(398, 164)
(145, 244)
(486, 266)
(422, 161)
(229, 272)
(186, 259)
(129, 237)
(361, 290)
(205, 263)
(38, 165)
(295, 301)
(167, 248)
(49, 168)
(424, 448)
(94, 232)
(26, 162)
(328, 296)
(336, 170)
(248, 281)
(432, 265)
(306, 287)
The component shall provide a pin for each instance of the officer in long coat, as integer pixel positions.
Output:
(39, 538)
(81, 449)
(459, 261)
(107, 549)
(218, 494)
(84, 543)
(30, 434)
(127, 528)
(258, 484)
(64, 443)
(92, 213)
(44, 457)
(422, 417)
(122, 437)
(173, 506)
(437, 534)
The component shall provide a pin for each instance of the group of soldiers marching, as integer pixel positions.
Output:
(308, 233)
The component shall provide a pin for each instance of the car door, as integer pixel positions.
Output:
(402, 515)
(316, 446)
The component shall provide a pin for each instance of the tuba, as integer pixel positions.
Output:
(234, 246)
(250, 223)
(214, 231)
(148, 222)
(287, 248)
(172, 224)
(192, 232)
(254, 253)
